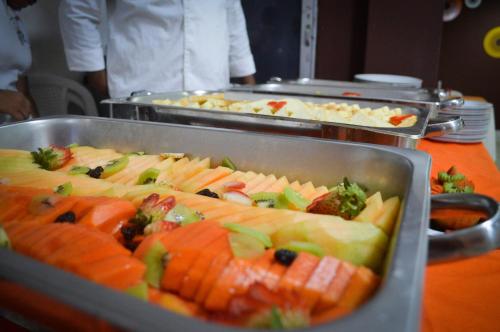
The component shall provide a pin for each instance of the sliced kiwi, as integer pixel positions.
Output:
(64, 189)
(4, 239)
(183, 215)
(114, 166)
(245, 246)
(148, 176)
(296, 199)
(270, 199)
(299, 246)
(73, 145)
(135, 153)
(75, 170)
(140, 291)
(276, 318)
(226, 162)
(262, 237)
(155, 263)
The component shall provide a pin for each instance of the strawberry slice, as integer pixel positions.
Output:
(351, 94)
(397, 119)
(276, 105)
(237, 197)
(153, 210)
(233, 185)
(52, 158)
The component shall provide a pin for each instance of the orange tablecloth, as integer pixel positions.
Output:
(464, 295)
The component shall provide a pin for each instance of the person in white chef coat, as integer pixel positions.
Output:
(15, 59)
(156, 45)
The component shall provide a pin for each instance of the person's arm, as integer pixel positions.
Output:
(79, 22)
(23, 87)
(241, 62)
(15, 104)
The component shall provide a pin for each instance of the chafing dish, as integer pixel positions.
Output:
(395, 307)
(144, 109)
(436, 99)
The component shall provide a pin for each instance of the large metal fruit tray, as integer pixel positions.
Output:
(396, 306)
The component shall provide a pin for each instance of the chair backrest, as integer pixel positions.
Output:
(55, 95)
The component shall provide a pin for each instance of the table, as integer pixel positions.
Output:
(464, 295)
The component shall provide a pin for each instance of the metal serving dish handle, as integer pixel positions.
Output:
(467, 242)
(450, 103)
(440, 125)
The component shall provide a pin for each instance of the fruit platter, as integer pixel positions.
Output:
(387, 122)
(214, 229)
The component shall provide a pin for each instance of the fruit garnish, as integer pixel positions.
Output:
(129, 231)
(75, 170)
(152, 210)
(351, 94)
(277, 318)
(237, 197)
(299, 246)
(451, 182)
(208, 193)
(68, 217)
(64, 189)
(51, 158)
(148, 176)
(346, 200)
(262, 237)
(155, 259)
(4, 239)
(139, 291)
(160, 226)
(183, 215)
(233, 185)
(72, 145)
(270, 200)
(135, 153)
(245, 246)
(297, 201)
(397, 119)
(173, 155)
(114, 166)
(226, 162)
(285, 256)
(276, 105)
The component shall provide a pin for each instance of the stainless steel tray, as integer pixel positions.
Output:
(396, 305)
(437, 100)
(145, 109)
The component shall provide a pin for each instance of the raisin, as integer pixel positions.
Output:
(208, 193)
(95, 172)
(129, 231)
(68, 217)
(285, 256)
(131, 245)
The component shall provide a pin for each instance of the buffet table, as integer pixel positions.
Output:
(464, 295)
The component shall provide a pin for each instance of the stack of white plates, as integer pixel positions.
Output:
(477, 117)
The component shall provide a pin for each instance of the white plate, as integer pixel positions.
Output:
(397, 80)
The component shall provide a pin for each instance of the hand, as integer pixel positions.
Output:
(248, 80)
(15, 104)
(98, 82)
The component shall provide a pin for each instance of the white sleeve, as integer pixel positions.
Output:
(240, 57)
(79, 22)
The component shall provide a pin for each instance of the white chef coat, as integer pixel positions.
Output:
(158, 45)
(15, 52)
